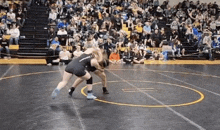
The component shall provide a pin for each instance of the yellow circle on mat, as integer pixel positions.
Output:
(152, 106)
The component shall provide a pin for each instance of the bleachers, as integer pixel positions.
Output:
(34, 33)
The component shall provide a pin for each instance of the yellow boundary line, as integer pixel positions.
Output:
(151, 106)
(35, 73)
(122, 104)
(186, 73)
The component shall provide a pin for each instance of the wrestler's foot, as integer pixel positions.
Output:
(90, 96)
(55, 93)
(71, 90)
(105, 91)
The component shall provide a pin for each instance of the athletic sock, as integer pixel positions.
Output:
(105, 91)
(71, 90)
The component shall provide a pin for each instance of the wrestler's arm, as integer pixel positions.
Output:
(95, 64)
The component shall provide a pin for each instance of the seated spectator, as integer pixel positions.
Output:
(52, 54)
(177, 48)
(139, 56)
(147, 30)
(20, 18)
(189, 33)
(63, 24)
(215, 43)
(156, 38)
(5, 5)
(4, 45)
(114, 57)
(65, 56)
(11, 16)
(51, 35)
(3, 14)
(3, 27)
(197, 24)
(15, 34)
(218, 24)
(206, 46)
(164, 38)
(56, 44)
(127, 56)
(156, 55)
(175, 24)
(77, 52)
(62, 31)
(52, 16)
(139, 30)
(108, 46)
(71, 29)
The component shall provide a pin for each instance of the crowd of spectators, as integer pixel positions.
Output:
(12, 18)
(129, 28)
(135, 26)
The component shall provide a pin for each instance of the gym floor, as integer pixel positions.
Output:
(142, 97)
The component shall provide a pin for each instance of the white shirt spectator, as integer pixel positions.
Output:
(11, 15)
(53, 15)
(213, 25)
(77, 53)
(65, 55)
(207, 40)
(62, 32)
(15, 33)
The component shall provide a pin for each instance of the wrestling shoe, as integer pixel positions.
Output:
(71, 90)
(105, 91)
(55, 93)
(90, 96)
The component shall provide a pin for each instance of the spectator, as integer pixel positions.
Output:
(218, 24)
(51, 35)
(206, 46)
(65, 56)
(5, 5)
(77, 52)
(11, 16)
(177, 48)
(147, 30)
(108, 46)
(175, 24)
(52, 16)
(15, 34)
(215, 43)
(127, 56)
(63, 24)
(20, 18)
(62, 31)
(138, 56)
(114, 57)
(3, 27)
(4, 45)
(156, 38)
(56, 44)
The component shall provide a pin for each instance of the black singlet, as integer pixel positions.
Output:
(78, 65)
